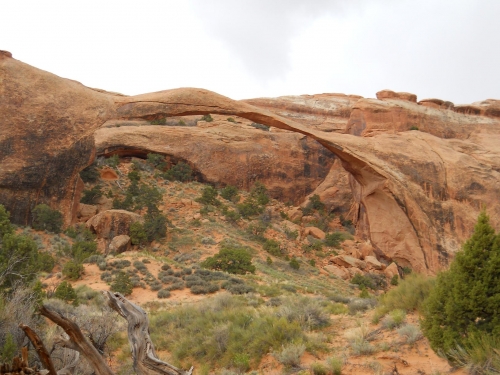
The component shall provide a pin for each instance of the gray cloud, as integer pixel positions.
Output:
(259, 32)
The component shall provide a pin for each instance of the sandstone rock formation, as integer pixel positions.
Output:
(119, 244)
(225, 153)
(111, 223)
(416, 194)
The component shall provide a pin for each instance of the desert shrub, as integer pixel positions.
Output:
(395, 280)
(82, 250)
(410, 333)
(122, 284)
(180, 172)
(479, 355)
(159, 121)
(358, 339)
(232, 260)
(45, 262)
(165, 267)
(72, 270)
(272, 247)
(464, 300)
(90, 174)
(106, 276)
(163, 293)
(289, 356)
(207, 118)
(334, 239)
(249, 208)
(205, 288)
(259, 193)
(294, 263)
(394, 319)
(155, 285)
(9, 349)
(334, 365)
(229, 192)
(208, 196)
(138, 235)
(291, 234)
(318, 368)
(134, 176)
(360, 305)
(176, 286)
(408, 295)
(113, 161)
(91, 196)
(370, 280)
(237, 286)
(65, 292)
(155, 226)
(45, 218)
(147, 196)
(260, 126)
(208, 241)
(156, 161)
(140, 264)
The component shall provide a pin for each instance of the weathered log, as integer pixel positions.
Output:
(143, 352)
(77, 341)
(42, 352)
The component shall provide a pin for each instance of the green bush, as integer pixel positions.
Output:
(370, 280)
(159, 121)
(113, 161)
(207, 118)
(260, 126)
(163, 293)
(232, 260)
(5, 225)
(229, 192)
(19, 259)
(81, 250)
(155, 226)
(465, 299)
(259, 193)
(45, 218)
(156, 161)
(138, 235)
(334, 239)
(122, 284)
(208, 196)
(230, 119)
(249, 208)
(72, 270)
(134, 176)
(180, 172)
(294, 263)
(272, 247)
(9, 349)
(90, 174)
(91, 196)
(66, 293)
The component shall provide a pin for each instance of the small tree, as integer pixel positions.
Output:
(466, 298)
(5, 225)
(91, 196)
(45, 218)
(122, 284)
(208, 196)
(232, 260)
(66, 293)
(9, 349)
(138, 235)
(72, 270)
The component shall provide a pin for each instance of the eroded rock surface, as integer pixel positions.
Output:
(416, 194)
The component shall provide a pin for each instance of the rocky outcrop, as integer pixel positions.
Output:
(289, 164)
(111, 223)
(416, 194)
(119, 244)
(326, 112)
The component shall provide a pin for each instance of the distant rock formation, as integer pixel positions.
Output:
(416, 194)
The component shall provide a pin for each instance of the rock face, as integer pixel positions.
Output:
(119, 244)
(416, 194)
(326, 112)
(225, 153)
(111, 223)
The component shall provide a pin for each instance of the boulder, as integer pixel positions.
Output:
(391, 270)
(389, 94)
(315, 232)
(348, 262)
(372, 262)
(366, 250)
(337, 271)
(86, 211)
(119, 244)
(104, 204)
(295, 214)
(111, 223)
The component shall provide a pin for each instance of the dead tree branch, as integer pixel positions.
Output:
(78, 341)
(40, 349)
(143, 352)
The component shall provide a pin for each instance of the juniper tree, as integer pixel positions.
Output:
(466, 299)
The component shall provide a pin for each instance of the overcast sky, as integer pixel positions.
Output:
(448, 49)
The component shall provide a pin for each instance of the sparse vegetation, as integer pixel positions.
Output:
(45, 218)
